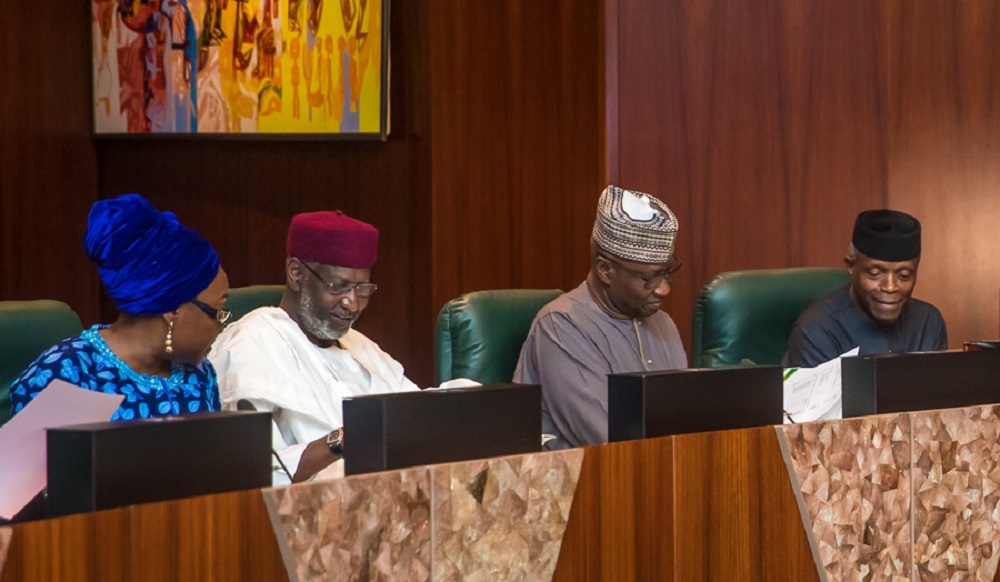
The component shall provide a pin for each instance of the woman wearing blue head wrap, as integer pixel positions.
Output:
(171, 293)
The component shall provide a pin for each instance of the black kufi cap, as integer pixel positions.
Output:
(887, 235)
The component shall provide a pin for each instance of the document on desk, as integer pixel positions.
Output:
(456, 383)
(814, 393)
(23, 444)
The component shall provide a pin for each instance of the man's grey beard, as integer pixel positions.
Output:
(313, 323)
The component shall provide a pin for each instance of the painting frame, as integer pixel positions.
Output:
(293, 74)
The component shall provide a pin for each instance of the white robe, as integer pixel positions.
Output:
(265, 358)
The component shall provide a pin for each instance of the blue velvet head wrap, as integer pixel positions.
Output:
(149, 262)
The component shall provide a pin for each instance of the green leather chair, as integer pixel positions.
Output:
(479, 335)
(749, 314)
(28, 328)
(243, 300)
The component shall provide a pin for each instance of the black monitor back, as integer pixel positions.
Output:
(654, 404)
(112, 464)
(407, 429)
(879, 384)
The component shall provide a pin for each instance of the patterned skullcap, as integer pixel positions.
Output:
(635, 226)
(148, 261)
(332, 238)
(887, 235)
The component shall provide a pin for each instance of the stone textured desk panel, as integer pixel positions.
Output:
(910, 496)
(853, 487)
(368, 527)
(493, 519)
(504, 518)
(956, 486)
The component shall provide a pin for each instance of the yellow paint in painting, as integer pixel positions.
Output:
(291, 66)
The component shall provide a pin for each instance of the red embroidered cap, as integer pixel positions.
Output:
(332, 238)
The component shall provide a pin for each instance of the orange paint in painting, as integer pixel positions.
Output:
(238, 53)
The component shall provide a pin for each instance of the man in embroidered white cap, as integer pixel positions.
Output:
(610, 324)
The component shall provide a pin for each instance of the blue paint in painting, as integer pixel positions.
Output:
(350, 121)
(191, 55)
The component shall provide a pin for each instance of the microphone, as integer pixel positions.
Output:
(246, 405)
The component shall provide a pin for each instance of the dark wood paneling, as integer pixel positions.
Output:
(710, 506)
(757, 124)
(218, 537)
(715, 507)
(516, 93)
(735, 514)
(620, 525)
(517, 133)
(488, 180)
(47, 167)
(767, 128)
(944, 162)
(777, 498)
(241, 195)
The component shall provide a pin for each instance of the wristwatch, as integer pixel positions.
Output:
(335, 440)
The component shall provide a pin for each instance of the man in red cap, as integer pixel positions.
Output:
(300, 359)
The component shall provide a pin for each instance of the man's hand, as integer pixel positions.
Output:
(314, 459)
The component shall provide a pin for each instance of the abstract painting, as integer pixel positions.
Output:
(240, 67)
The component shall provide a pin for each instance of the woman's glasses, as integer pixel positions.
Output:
(220, 315)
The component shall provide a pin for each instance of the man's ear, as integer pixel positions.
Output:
(849, 263)
(603, 269)
(293, 274)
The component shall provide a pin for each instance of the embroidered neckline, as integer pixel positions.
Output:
(155, 383)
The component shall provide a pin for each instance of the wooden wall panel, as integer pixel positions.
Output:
(514, 148)
(709, 506)
(717, 507)
(767, 128)
(777, 508)
(241, 194)
(219, 537)
(47, 166)
(944, 162)
(734, 510)
(619, 526)
(516, 133)
(758, 124)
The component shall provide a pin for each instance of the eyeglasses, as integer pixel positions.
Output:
(650, 280)
(220, 315)
(343, 287)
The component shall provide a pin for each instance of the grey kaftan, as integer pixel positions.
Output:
(572, 347)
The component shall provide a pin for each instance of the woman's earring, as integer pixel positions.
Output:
(169, 343)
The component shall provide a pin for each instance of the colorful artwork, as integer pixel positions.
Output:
(239, 66)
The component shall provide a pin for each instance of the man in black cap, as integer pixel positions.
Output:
(875, 312)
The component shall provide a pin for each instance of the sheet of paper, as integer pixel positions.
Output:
(815, 393)
(22, 439)
(456, 383)
(5, 535)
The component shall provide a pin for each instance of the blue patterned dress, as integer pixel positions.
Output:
(87, 361)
